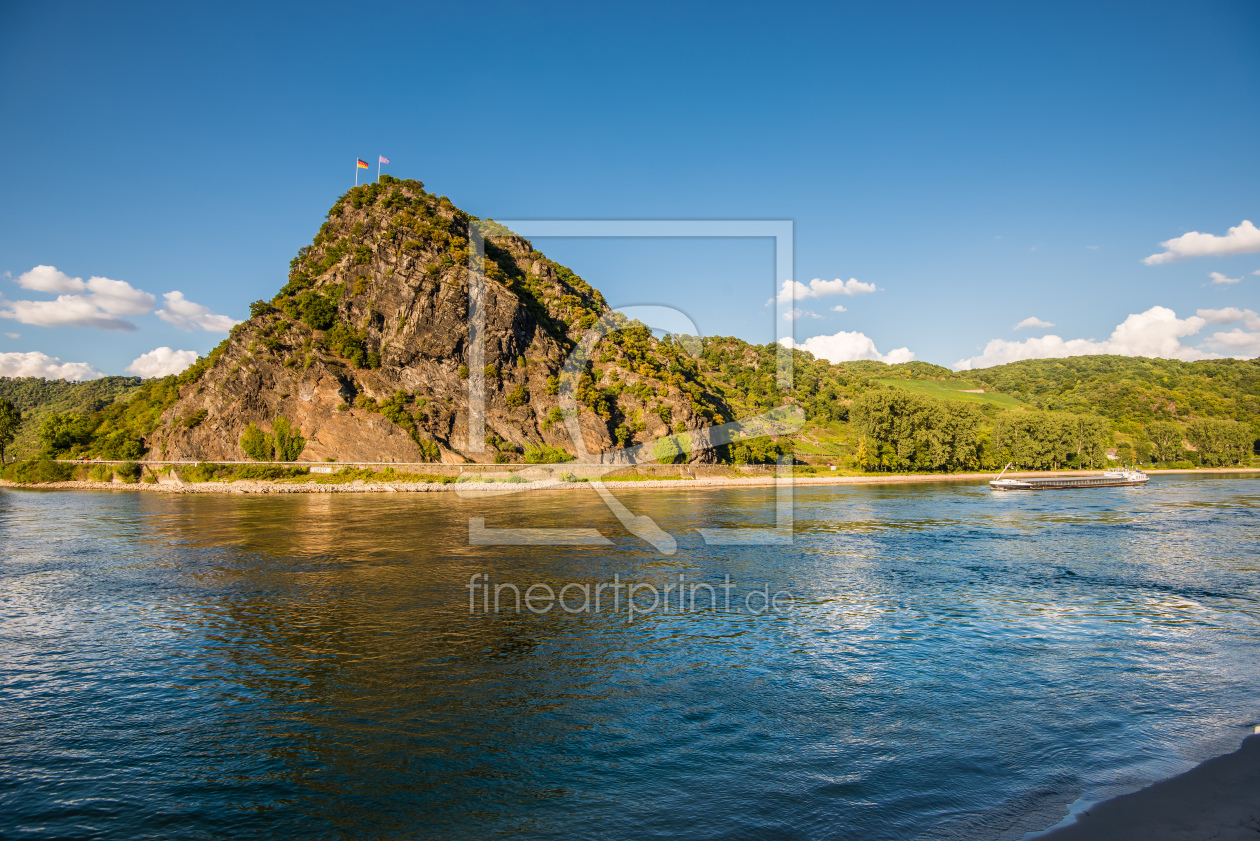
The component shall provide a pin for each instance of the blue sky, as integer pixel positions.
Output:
(977, 163)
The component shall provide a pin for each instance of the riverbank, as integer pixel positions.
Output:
(483, 485)
(1219, 799)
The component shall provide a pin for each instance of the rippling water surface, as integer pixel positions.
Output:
(957, 663)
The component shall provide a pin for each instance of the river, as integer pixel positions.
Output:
(941, 661)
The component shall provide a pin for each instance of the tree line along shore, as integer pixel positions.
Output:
(861, 418)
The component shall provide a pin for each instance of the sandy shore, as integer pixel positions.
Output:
(168, 484)
(1219, 799)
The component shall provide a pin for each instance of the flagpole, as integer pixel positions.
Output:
(378, 167)
(356, 172)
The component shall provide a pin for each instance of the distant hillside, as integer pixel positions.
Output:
(37, 398)
(1134, 391)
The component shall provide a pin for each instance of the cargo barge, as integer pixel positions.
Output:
(1119, 478)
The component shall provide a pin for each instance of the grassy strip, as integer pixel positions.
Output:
(364, 474)
(41, 471)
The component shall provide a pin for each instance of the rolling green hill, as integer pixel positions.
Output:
(1133, 391)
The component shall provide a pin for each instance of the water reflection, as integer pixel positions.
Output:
(956, 664)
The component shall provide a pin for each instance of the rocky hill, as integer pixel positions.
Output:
(365, 351)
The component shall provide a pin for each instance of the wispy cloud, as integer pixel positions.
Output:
(1219, 279)
(1241, 239)
(1229, 315)
(1032, 321)
(797, 313)
(1237, 342)
(184, 314)
(66, 311)
(98, 302)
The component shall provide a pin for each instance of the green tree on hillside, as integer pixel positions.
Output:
(62, 432)
(257, 444)
(1166, 440)
(862, 455)
(910, 432)
(1219, 442)
(1050, 440)
(666, 450)
(10, 420)
(288, 439)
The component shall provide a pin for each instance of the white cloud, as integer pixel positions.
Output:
(847, 347)
(14, 335)
(794, 290)
(1032, 321)
(1219, 279)
(101, 307)
(185, 315)
(1229, 315)
(1156, 332)
(48, 279)
(35, 364)
(113, 296)
(839, 308)
(66, 311)
(1242, 239)
(161, 362)
(1237, 342)
(119, 297)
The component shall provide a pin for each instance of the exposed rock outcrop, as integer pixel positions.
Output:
(366, 351)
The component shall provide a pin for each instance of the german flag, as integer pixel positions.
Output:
(362, 163)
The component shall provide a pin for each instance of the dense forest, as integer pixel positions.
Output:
(37, 398)
(1132, 391)
(108, 417)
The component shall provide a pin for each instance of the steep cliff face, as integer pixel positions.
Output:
(366, 351)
